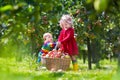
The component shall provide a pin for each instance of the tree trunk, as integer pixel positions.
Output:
(89, 53)
(119, 61)
(84, 56)
(96, 52)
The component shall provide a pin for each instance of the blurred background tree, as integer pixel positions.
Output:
(23, 22)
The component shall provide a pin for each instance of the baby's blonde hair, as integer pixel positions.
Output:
(66, 18)
(46, 34)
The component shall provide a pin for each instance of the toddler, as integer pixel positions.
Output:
(47, 46)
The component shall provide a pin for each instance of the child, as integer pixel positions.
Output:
(47, 46)
(66, 40)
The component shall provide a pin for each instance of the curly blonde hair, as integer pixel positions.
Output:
(46, 35)
(66, 18)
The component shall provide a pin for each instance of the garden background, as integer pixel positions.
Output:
(96, 23)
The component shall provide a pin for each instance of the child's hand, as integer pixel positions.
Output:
(58, 44)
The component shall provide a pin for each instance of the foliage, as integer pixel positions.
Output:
(23, 22)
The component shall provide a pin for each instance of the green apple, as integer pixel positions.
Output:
(100, 5)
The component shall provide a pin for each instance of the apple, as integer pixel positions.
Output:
(80, 20)
(47, 56)
(67, 56)
(78, 11)
(100, 5)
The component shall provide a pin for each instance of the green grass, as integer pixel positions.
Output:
(11, 69)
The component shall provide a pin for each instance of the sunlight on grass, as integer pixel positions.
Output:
(10, 69)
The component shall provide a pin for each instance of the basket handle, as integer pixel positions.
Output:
(56, 46)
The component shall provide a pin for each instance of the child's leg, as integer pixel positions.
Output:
(39, 57)
(74, 62)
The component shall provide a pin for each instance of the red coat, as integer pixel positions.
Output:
(68, 42)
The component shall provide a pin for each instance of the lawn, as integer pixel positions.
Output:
(26, 69)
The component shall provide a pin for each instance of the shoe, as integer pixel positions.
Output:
(75, 67)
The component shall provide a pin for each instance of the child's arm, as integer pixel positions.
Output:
(60, 36)
(52, 45)
(70, 35)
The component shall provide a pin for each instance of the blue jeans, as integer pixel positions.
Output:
(39, 57)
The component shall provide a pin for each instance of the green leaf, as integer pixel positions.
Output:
(6, 8)
(100, 5)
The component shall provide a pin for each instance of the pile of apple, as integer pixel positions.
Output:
(56, 54)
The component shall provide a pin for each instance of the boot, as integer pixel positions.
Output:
(75, 67)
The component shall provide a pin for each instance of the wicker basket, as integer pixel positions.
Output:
(57, 63)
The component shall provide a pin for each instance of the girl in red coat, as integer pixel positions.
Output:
(66, 40)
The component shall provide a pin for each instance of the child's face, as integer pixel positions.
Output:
(49, 38)
(65, 25)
